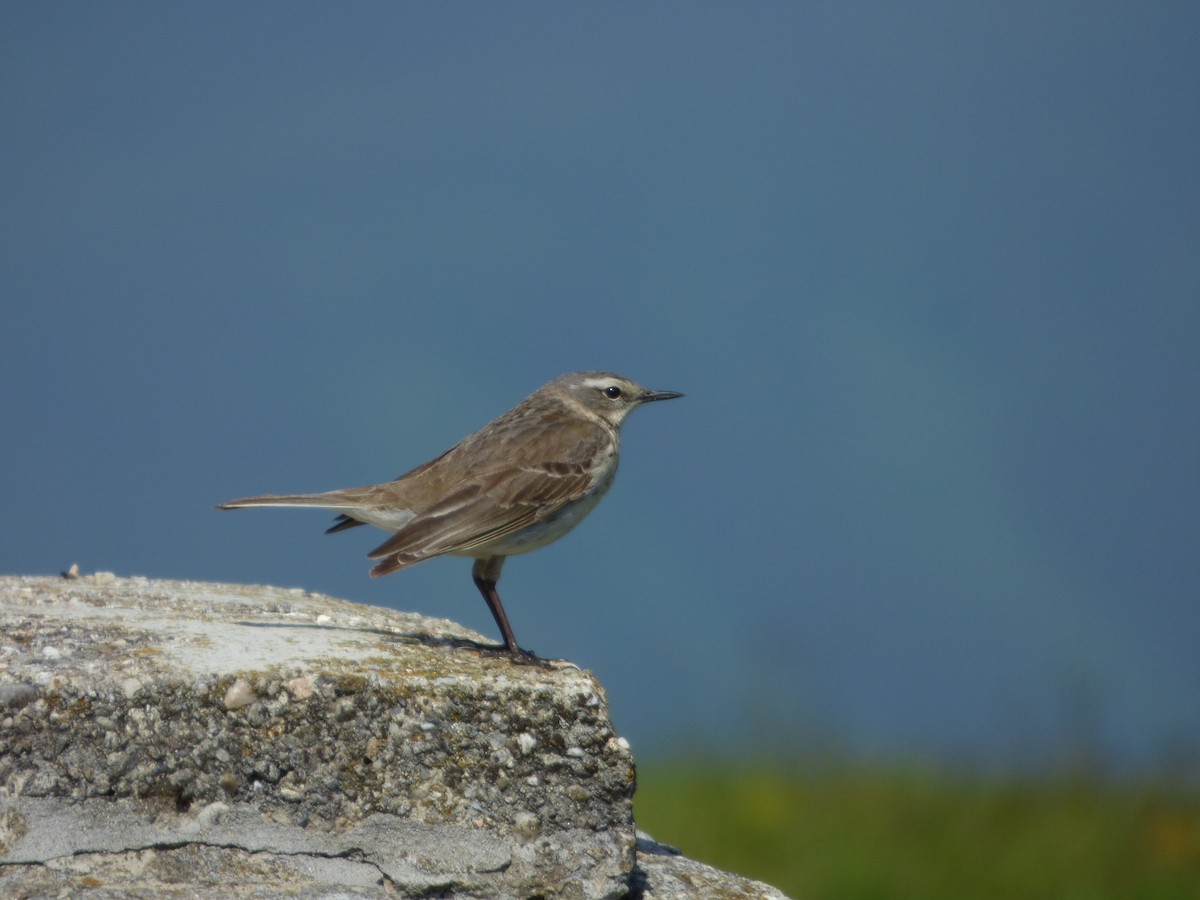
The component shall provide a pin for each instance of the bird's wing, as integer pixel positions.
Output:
(498, 500)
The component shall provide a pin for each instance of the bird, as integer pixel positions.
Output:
(517, 484)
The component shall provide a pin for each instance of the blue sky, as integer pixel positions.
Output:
(928, 275)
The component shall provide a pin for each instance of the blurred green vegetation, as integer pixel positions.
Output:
(909, 832)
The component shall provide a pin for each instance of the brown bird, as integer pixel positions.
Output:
(519, 483)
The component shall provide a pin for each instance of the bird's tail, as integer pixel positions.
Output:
(333, 500)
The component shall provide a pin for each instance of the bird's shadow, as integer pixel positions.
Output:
(408, 637)
(495, 651)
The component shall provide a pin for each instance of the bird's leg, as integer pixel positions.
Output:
(486, 573)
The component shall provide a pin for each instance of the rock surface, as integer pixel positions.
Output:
(164, 738)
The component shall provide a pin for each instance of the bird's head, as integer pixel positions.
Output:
(608, 396)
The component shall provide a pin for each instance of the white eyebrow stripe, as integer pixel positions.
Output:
(597, 382)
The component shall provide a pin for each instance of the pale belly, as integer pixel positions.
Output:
(544, 532)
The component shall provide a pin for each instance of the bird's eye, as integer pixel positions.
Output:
(612, 392)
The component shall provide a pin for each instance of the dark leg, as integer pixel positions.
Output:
(486, 573)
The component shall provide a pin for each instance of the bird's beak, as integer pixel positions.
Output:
(659, 395)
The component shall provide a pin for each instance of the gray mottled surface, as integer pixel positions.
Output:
(187, 739)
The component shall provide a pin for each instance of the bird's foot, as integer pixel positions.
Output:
(522, 657)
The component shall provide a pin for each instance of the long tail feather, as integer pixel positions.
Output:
(320, 501)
